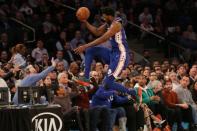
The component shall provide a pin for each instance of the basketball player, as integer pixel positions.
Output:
(111, 30)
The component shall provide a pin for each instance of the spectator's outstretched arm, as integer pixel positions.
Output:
(45, 72)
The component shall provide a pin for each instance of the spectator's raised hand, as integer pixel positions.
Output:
(53, 62)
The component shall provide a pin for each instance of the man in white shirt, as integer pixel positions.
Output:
(59, 58)
(38, 52)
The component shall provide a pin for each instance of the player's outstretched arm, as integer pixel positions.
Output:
(94, 30)
(115, 27)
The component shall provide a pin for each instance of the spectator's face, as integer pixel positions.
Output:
(184, 82)
(177, 29)
(158, 70)
(172, 68)
(99, 67)
(153, 76)
(131, 67)
(124, 74)
(146, 73)
(131, 83)
(146, 54)
(63, 35)
(128, 71)
(19, 16)
(40, 44)
(158, 87)
(193, 72)
(194, 66)
(53, 75)
(156, 63)
(23, 51)
(190, 28)
(100, 75)
(181, 70)
(48, 17)
(95, 75)
(195, 86)
(78, 35)
(63, 79)
(59, 55)
(168, 86)
(186, 65)
(61, 92)
(146, 11)
(4, 55)
(2, 73)
(142, 81)
(173, 77)
(47, 81)
(175, 62)
(106, 67)
(74, 69)
(60, 66)
(97, 17)
(164, 68)
(166, 63)
(4, 37)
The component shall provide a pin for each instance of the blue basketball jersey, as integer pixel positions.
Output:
(119, 40)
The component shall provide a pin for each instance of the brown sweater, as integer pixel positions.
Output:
(170, 98)
(64, 102)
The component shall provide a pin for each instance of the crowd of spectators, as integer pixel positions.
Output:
(167, 88)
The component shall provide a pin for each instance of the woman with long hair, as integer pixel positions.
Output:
(18, 53)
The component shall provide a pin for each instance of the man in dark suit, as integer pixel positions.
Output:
(192, 74)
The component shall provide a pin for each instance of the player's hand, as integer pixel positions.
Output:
(83, 21)
(80, 49)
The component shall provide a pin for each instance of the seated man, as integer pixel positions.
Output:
(184, 96)
(64, 100)
(175, 111)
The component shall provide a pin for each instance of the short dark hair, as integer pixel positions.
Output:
(108, 11)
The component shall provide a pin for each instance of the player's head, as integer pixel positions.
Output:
(108, 14)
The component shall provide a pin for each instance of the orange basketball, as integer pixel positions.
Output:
(83, 13)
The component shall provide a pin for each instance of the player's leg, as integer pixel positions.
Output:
(100, 52)
(117, 64)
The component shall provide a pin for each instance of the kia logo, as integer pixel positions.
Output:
(47, 121)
